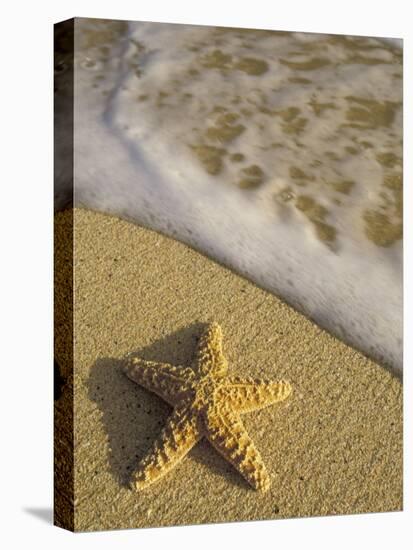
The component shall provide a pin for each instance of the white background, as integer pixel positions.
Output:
(26, 380)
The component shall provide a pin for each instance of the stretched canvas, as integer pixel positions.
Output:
(228, 274)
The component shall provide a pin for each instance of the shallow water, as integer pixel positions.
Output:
(278, 154)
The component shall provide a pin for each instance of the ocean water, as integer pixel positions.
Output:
(278, 154)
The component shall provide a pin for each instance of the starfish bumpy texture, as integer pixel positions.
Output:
(207, 403)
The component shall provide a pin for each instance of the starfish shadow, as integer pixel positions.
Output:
(133, 417)
(204, 453)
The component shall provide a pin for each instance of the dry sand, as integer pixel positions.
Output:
(334, 447)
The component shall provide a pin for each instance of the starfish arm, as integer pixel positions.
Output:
(177, 438)
(170, 382)
(248, 394)
(209, 357)
(227, 434)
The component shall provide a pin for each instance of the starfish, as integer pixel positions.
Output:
(207, 403)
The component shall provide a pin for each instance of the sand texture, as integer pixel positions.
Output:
(333, 447)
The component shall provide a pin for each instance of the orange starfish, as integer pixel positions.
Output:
(207, 403)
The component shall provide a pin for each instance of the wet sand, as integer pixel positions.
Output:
(334, 447)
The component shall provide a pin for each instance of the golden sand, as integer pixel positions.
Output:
(334, 447)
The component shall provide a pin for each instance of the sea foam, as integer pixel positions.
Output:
(277, 154)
